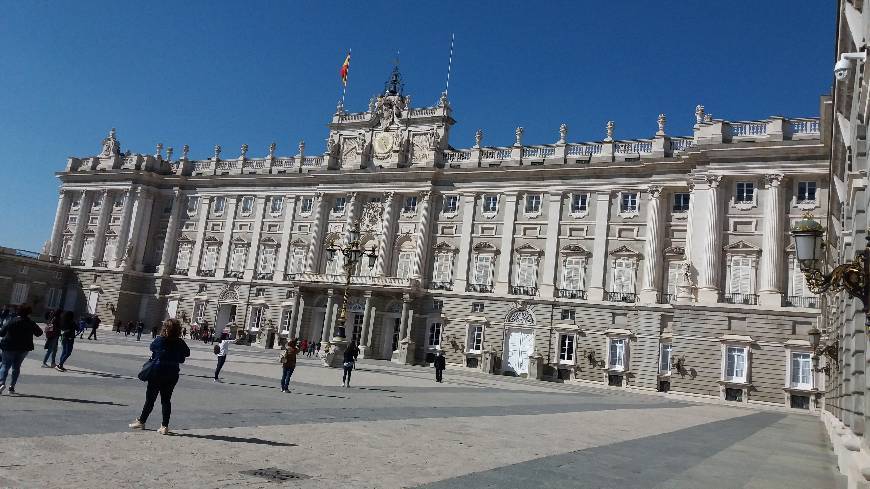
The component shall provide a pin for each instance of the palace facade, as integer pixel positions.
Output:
(661, 263)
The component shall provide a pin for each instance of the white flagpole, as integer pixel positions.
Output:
(449, 63)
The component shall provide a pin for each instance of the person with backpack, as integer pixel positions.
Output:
(52, 335)
(440, 364)
(95, 323)
(17, 342)
(349, 362)
(169, 351)
(67, 338)
(221, 350)
(288, 364)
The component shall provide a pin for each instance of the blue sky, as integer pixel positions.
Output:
(219, 72)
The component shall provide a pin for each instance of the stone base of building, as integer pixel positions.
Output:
(853, 460)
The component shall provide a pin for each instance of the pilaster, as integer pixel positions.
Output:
(772, 249)
(124, 230)
(460, 278)
(168, 254)
(422, 239)
(254, 250)
(232, 202)
(599, 247)
(286, 227)
(708, 249)
(551, 247)
(313, 256)
(81, 225)
(60, 220)
(102, 224)
(141, 228)
(653, 247)
(202, 218)
(386, 237)
(507, 244)
(294, 311)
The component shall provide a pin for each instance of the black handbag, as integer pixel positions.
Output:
(147, 371)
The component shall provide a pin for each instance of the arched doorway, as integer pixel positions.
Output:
(519, 341)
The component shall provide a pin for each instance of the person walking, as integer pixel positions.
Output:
(169, 351)
(116, 326)
(140, 326)
(84, 322)
(288, 364)
(303, 346)
(221, 350)
(95, 323)
(67, 339)
(17, 342)
(349, 361)
(156, 328)
(129, 328)
(440, 364)
(52, 334)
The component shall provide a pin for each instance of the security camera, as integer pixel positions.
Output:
(841, 68)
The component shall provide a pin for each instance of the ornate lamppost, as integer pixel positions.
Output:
(353, 254)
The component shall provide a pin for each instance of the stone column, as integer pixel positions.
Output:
(772, 249)
(364, 334)
(598, 267)
(60, 220)
(124, 230)
(460, 277)
(254, 250)
(291, 322)
(102, 224)
(297, 328)
(81, 224)
(286, 228)
(652, 276)
(370, 327)
(141, 228)
(386, 238)
(312, 259)
(551, 247)
(422, 239)
(167, 257)
(200, 237)
(327, 318)
(507, 243)
(707, 251)
(403, 324)
(232, 202)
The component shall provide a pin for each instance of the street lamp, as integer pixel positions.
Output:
(353, 254)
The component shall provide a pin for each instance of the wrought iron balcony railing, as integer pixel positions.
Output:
(802, 301)
(181, 271)
(234, 274)
(480, 287)
(629, 297)
(265, 276)
(206, 273)
(441, 285)
(571, 294)
(747, 299)
(524, 290)
(667, 298)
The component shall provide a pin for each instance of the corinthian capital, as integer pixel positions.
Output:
(714, 180)
(773, 179)
(655, 191)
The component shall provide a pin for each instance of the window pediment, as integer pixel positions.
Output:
(625, 251)
(528, 249)
(485, 247)
(675, 251)
(736, 338)
(185, 238)
(574, 249)
(444, 247)
(298, 242)
(268, 241)
(742, 247)
(240, 240)
(211, 239)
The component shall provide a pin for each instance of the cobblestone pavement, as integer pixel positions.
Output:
(394, 428)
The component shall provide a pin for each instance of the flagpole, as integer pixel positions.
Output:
(449, 63)
(344, 85)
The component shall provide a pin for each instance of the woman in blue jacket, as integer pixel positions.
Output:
(168, 352)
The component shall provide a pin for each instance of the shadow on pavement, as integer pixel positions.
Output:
(236, 439)
(68, 399)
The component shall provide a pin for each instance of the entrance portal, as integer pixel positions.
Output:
(520, 346)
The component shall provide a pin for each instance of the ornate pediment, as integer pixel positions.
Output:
(229, 293)
(625, 251)
(268, 241)
(298, 242)
(185, 238)
(240, 240)
(485, 246)
(211, 239)
(528, 249)
(742, 247)
(675, 251)
(574, 249)
(444, 247)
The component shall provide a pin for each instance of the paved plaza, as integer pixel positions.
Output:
(394, 428)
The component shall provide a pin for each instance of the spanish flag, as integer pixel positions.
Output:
(344, 68)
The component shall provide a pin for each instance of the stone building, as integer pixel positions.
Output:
(660, 263)
(35, 279)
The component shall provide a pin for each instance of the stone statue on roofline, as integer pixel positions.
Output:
(111, 147)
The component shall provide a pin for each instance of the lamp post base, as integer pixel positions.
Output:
(335, 356)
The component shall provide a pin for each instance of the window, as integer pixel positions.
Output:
(276, 204)
(239, 258)
(54, 296)
(267, 260)
(572, 273)
(806, 192)
(247, 205)
(451, 204)
(665, 359)
(443, 268)
(477, 307)
(307, 205)
(356, 329)
(120, 200)
(628, 203)
(209, 258)
(297, 260)
(192, 204)
(490, 203)
(675, 274)
(434, 334)
(88, 248)
(533, 203)
(475, 339)
(567, 314)
(437, 304)
(681, 203)
(403, 266)
(410, 205)
(257, 314)
(566, 348)
(745, 192)
(623, 276)
(481, 274)
(616, 355)
(527, 271)
(182, 260)
(339, 204)
(801, 370)
(260, 292)
(72, 220)
(77, 201)
(218, 205)
(285, 320)
(199, 312)
(579, 203)
(97, 203)
(741, 274)
(735, 364)
(202, 288)
(19, 293)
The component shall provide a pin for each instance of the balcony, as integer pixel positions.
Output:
(205, 273)
(629, 297)
(181, 271)
(289, 277)
(441, 285)
(480, 287)
(325, 278)
(234, 274)
(571, 294)
(811, 302)
(747, 299)
(265, 276)
(667, 298)
(101, 264)
(524, 290)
